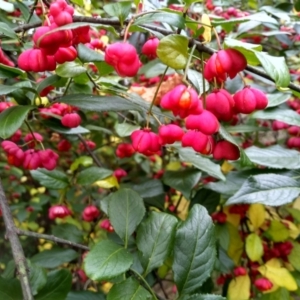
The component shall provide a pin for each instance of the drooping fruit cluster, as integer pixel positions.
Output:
(51, 45)
(124, 58)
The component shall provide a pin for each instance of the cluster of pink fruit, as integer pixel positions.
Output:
(50, 46)
(30, 159)
(69, 119)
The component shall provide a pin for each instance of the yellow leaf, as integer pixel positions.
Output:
(226, 167)
(256, 215)
(236, 245)
(239, 288)
(293, 229)
(108, 183)
(277, 231)
(274, 262)
(254, 247)
(234, 219)
(205, 20)
(280, 276)
(296, 203)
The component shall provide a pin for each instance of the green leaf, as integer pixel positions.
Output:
(10, 72)
(7, 31)
(202, 297)
(70, 69)
(268, 189)
(183, 181)
(12, 119)
(84, 161)
(57, 287)
(155, 237)
(10, 289)
(172, 50)
(86, 54)
(194, 251)
(170, 18)
(277, 98)
(274, 157)
(222, 235)
(243, 128)
(254, 247)
(68, 232)
(46, 82)
(125, 210)
(281, 114)
(107, 260)
(154, 68)
(125, 129)
(277, 231)
(6, 6)
(275, 67)
(200, 162)
(99, 103)
(51, 179)
(294, 212)
(128, 289)
(92, 174)
(53, 258)
(293, 257)
(297, 5)
(86, 295)
(279, 294)
(38, 278)
(207, 198)
(56, 125)
(119, 9)
(196, 79)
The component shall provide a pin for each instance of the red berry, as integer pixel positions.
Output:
(169, 134)
(71, 120)
(149, 48)
(90, 213)
(15, 155)
(263, 284)
(105, 224)
(239, 271)
(245, 101)
(5, 105)
(58, 211)
(119, 174)
(198, 141)
(32, 139)
(91, 145)
(48, 159)
(63, 55)
(32, 160)
(219, 217)
(278, 125)
(226, 150)
(64, 146)
(124, 150)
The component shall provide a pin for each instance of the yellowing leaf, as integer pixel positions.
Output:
(234, 219)
(296, 203)
(293, 229)
(256, 215)
(236, 245)
(254, 247)
(274, 262)
(226, 167)
(239, 288)
(108, 183)
(205, 20)
(277, 231)
(280, 276)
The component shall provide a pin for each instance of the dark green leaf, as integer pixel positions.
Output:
(99, 103)
(107, 260)
(104, 68)
(125, 210)
(183, 181)
(47, 82)
(207, 198)
(222, 235)
(274, 157)
(53, 258)
(196, 79)
(10, 289)
(268, 189)
(119, 9)
(294, 257)
(51, 179)
(275, 67)
(201, 162)
(68, 232)
(10, 72)
(154, 239)
(172, 50)
(128, 289)
(38, 278)
(86, 54)
(70, 69)
(56, 125)
(92, 174)
(281, 114)
(279, 294)
(125, 129)
(154, 68)
(57, 287)
(243, 128)
(297, 5)
(172, 19)
(12, 119)
(194, 251)
(202, 297)
(84, 295)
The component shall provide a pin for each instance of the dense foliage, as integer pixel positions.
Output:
(149, 150)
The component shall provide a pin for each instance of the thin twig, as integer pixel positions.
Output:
(16, 248)
(95, 158)
(50, 238)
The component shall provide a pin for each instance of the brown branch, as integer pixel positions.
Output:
(50, 238)
(95, 158)
(16, 248)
